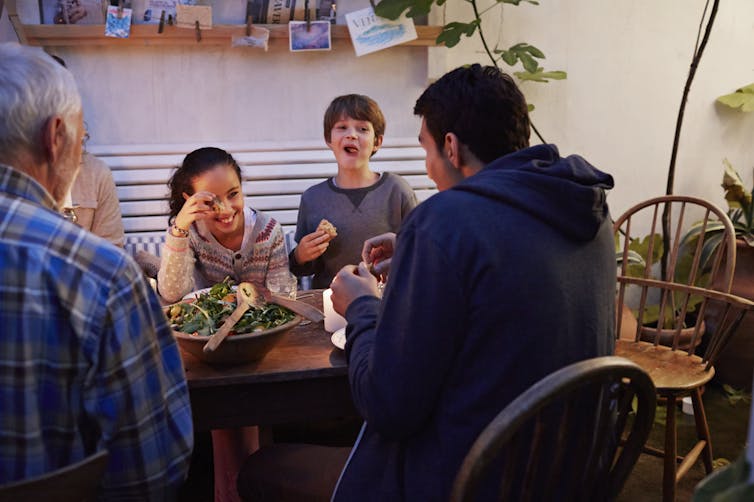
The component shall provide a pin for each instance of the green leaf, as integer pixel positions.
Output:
(540, 75)
(530, 64)
(509, 57)
(743, 98)
(392, 9)
(452, 32)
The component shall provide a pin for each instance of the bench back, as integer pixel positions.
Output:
(274, 177)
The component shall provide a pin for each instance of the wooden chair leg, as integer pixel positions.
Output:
(671, 447)
(702, 429)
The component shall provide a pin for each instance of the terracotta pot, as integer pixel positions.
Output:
(736, 363)
(649, 333)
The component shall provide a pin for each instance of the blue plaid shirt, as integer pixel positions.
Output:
(87, 360)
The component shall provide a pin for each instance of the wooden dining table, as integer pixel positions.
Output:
(303, 378)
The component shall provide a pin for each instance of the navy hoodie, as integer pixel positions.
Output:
(495, 283)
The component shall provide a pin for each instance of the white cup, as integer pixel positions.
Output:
(333, 320)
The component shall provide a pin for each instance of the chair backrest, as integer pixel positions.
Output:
(722, 313)
(700, 241)
(559, 439)
(700, 246)
(73, 483)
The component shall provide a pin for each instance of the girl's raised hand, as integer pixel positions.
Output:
(196, 207)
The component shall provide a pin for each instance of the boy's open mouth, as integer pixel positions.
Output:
(351, 149)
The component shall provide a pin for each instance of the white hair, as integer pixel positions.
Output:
(33, 88)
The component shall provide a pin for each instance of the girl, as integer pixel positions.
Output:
(212, 234)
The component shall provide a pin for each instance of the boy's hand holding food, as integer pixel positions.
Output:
(313, 245)
(378, 252)
(352, 282)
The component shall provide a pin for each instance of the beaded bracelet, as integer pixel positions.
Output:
(178, 232)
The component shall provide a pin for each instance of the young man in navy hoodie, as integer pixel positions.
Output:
(503, 277)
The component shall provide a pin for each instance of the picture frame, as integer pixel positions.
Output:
(312, 36)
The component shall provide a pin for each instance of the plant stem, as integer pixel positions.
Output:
(478, 18)
(676, 139)
(692, 71)
(481, 33)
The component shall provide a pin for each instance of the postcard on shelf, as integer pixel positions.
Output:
(371, 33)
(118, 23)
(150, 11)
(72, 11)
(188, 15)
(259, 37)
(314, 37)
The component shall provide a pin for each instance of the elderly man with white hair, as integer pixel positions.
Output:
(87, 361)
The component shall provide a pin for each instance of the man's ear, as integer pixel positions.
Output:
(452, 150)
(53, 139)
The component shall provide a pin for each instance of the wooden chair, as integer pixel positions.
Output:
(74, 483)
(558, 440)
(673, 310)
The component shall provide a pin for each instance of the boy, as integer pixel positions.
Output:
(358, 202)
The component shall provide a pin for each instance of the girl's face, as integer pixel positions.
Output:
(223, 181)
(353, 142)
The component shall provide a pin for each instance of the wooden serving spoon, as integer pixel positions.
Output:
(246, 296)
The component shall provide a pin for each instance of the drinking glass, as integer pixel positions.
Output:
(282, 283)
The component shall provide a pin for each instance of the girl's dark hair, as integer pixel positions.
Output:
(194, 164)
(482, 106)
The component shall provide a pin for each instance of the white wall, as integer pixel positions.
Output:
(627, 64)
(626, 61)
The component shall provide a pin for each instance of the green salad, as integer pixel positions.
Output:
(204, 315)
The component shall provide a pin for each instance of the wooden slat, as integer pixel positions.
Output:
(273, 178)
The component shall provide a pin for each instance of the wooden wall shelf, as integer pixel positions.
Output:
(147, 35)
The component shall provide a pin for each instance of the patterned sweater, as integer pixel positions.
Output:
(199, 261)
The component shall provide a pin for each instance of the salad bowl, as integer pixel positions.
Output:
(201, 314)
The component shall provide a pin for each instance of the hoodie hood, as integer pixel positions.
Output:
(566, 193)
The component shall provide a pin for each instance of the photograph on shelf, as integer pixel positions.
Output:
(371, 33)
(72, 11)
(258, 37)
(150, 11)
(118, 23)
(314, 37)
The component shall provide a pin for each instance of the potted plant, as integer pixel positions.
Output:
(736, 363)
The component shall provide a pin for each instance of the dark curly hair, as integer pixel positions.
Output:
(194, 164)
(482, 106)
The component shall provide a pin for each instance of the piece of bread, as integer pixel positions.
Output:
(328, 228)
(217, 205)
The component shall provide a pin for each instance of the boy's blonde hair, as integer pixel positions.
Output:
(355, 106)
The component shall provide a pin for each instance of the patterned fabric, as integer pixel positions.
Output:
(199, 261)
(87, 360)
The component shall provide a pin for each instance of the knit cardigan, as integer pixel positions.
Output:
(200, 261)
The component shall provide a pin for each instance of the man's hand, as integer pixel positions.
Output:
(350, 283)
(311, 247)
(378, 252)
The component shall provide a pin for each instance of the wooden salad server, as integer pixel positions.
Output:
(246, 296)
(303, 309)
